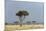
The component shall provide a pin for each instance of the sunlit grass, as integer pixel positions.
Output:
(24, 27)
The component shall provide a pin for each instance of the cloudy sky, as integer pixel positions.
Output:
(35, 10)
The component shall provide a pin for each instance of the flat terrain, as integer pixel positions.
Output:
(24, 27)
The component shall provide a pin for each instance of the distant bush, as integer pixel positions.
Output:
(6, 23)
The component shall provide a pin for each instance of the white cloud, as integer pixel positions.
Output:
(30, 0)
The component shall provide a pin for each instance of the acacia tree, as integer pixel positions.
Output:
(20, 14)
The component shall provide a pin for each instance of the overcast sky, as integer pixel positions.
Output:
(35, 10)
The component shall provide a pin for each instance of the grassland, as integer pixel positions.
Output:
(24, 27)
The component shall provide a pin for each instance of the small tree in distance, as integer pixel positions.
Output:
(17, 22)
(33, 22)
(20, 14)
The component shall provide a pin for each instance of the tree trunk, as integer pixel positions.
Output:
(20, 21)
(20, 25)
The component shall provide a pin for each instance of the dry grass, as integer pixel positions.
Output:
(24, 27)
